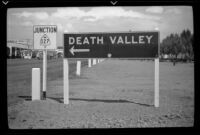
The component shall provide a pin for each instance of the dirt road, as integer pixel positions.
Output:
(113, 94)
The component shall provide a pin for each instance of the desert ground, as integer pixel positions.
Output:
(115, 93)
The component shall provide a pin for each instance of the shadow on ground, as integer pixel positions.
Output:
(27, 98)
(60, 100)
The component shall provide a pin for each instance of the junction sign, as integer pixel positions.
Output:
(44, 36)
(115, 45)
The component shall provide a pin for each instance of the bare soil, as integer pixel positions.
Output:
(112, 94)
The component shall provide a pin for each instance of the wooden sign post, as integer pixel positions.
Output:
(156, 81)
(66, 80)
(44, 73)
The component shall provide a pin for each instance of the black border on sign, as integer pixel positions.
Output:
(44, 48)
(4, 129)
(113, 33)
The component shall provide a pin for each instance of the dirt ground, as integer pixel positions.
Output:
(112, 94)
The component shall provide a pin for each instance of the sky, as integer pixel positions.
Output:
(166, 19)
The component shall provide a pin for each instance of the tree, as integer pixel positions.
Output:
(171, 46)
(165, 45)
(174, 44)
(187, 42)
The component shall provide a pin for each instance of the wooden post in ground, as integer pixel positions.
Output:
(78, 68)
(66, 80)
(156, 81)
(94, 62)
(89, 63)
(35, 84)
(44, 73)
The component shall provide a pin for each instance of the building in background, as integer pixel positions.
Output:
(24, 49)
(19, 48)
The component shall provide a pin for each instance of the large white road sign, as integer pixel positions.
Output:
(44, 36)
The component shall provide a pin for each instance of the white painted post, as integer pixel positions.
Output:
(10, 51)
(66, 80)
(156, 92)
(78, 68)
(89, 63)
(35, 84)
(94, 62)
(44, 73)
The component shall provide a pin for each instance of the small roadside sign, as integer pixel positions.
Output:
(44, 36)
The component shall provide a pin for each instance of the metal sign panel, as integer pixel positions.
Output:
(44, 36)
(114, 45)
